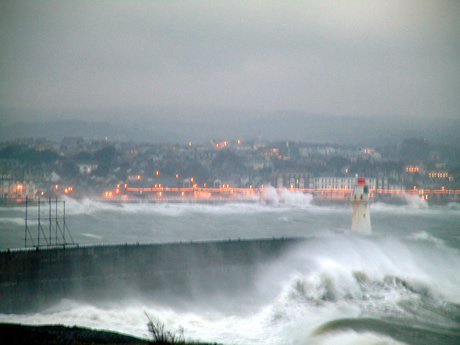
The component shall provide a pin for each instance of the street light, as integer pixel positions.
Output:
(19, 187)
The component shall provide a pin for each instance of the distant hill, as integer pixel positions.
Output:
(183, 125)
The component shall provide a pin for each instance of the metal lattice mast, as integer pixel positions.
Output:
(25, 225)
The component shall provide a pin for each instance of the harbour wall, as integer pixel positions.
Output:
(31, 280)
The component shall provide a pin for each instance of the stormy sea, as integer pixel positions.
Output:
(399, 286)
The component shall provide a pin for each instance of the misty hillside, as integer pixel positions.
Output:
(195, 125)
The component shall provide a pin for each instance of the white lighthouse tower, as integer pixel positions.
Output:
(361, 221)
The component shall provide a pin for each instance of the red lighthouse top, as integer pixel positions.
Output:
(361, 181)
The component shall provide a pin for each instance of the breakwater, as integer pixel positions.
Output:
(31, 280)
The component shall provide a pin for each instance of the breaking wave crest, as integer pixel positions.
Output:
(271, 195)
(414, 201)
(454, 205)
(386, 310)
(329, 290)
(355, 290)
(423, 236)
(13, 220)
(320, 296)
(269, 198)
(392, 332)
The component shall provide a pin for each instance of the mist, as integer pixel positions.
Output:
(163, 124)
(180, 71)
(291, 299)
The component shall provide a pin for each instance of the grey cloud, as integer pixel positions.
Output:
(345, 58)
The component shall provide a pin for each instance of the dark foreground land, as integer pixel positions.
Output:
(63, 335)
(59, 335)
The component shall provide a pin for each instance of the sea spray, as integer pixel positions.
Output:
(404, 280)
(273, 196)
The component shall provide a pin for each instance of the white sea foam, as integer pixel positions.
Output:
(324, 279)
(280, 203)
(16, 221)
(92, 236)
(87, 206)
(270, 200)
(424, 236)
(412, 209)
(414, 201)
(351, 338)
(454, 206)
(284, 196)
(11, 209)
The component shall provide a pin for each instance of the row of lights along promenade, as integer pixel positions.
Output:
(225, 191)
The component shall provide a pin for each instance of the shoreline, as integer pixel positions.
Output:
(222, 201)
(22, 334)
(58, 334)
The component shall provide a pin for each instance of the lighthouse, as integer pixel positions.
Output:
(361, 221)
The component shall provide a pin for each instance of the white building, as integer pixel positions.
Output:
(87, 167)
(347, 183)
(11, 189)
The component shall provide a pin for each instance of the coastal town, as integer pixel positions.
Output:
(224, 170)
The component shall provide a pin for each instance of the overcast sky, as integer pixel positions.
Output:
(367, 58)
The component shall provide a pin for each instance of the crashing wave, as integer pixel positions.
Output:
(426, 237)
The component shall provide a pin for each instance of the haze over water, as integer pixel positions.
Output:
(398, 287)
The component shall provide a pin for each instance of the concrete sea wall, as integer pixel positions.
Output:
(35, 279)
